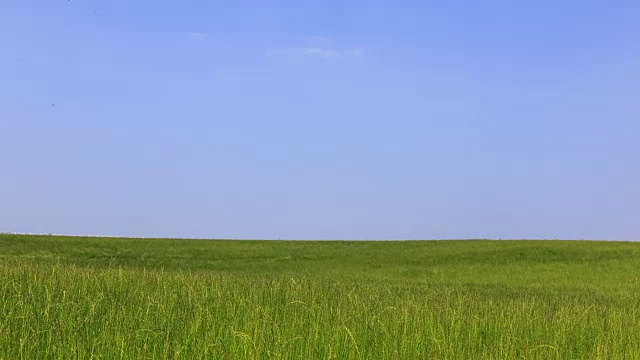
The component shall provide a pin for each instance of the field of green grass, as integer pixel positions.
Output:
(67, 297)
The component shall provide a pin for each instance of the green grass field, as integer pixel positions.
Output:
(66, 298)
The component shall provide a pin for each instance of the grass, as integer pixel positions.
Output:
(63, 298)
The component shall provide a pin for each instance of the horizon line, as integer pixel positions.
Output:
(287, 239)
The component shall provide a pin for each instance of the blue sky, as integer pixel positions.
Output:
(321, 120)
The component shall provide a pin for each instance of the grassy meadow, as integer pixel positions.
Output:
(107, 298)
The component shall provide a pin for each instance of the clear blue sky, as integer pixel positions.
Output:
(321, 119)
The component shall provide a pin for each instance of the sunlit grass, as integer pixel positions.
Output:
(123, 298)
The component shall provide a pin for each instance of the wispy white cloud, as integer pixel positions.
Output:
(319, 40)
(197, 35)
(355, 52)
(323, 53)
(315, 47)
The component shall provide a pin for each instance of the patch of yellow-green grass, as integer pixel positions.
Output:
(104, 298)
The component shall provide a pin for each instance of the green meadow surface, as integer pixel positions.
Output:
(108, 298)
